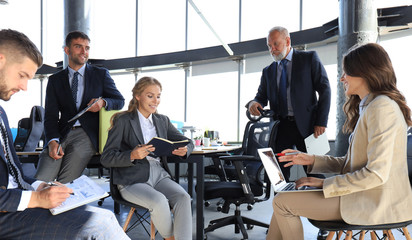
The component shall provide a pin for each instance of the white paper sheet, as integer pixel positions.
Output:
(317, 146)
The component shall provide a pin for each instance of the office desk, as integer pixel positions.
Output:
(29, 157)
(197, 157)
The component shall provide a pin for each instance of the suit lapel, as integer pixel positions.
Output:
(160, 126)
(86, 79)
(135, 123)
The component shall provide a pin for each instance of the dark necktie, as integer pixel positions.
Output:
(283, 104)
(12, 168)
(75, 84)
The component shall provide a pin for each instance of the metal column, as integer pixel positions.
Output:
(358, 24)
(76, 17)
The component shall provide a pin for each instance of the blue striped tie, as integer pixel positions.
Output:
(283, 104)
(75, 84)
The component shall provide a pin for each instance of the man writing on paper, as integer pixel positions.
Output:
(290, 85)
(71, 144)
(24, 202)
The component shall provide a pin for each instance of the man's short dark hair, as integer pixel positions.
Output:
(75, 35)
(15, 45)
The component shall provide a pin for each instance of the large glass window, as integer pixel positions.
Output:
(112, 32)
(161, 26)
(260, 16)
(223, 16)
(212, 98)
(315, 13)
(53, 34)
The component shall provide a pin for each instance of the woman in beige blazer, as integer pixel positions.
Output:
(371, 184)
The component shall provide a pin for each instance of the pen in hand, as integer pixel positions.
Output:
(286, 154)
(58, 149)
(56, 185)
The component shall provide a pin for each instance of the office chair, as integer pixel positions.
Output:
(251, 182)
(30, 131)
(339, 227)
(141, 218)
(225, 170)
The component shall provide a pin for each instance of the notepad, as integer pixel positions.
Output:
(164, 147)
(85, 191)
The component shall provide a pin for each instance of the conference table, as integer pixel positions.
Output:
(197, 156)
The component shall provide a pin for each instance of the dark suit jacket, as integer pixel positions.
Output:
(9, 198)
(125, 135)
(60, 106)
(308, 77)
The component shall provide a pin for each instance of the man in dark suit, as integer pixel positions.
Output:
(24, 202)
(290, 85)
(71, 144)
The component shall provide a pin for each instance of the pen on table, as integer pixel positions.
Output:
(286, 154)
(54, 184)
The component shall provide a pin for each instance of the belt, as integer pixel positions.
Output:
(76, 127)
(289, 118)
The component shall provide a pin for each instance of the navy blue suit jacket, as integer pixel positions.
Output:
(308, 77)
(9, 198)
(60, 106)
(125, 135)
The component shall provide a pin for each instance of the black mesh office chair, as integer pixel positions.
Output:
(252, 184)
(140, 218)
(30, 131)
(340, 227)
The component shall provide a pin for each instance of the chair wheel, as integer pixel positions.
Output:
(249, 226)
(207, 204)
(100, 203)
(249, 207)
(219, 208)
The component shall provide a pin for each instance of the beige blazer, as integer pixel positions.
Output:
(372, 180)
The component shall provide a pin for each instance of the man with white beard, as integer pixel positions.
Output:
(290, 85)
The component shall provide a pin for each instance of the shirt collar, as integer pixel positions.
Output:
(143, 119)
(362, 104)
(289, 56)
(80, 71)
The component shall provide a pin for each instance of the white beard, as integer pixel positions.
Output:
(281, 55)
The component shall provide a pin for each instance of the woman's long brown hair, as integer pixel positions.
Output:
(372, 63)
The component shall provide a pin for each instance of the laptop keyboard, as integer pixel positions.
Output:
(289, 186)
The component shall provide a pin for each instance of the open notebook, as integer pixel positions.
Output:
(275, 174)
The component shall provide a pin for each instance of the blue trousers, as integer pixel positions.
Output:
(85, 222)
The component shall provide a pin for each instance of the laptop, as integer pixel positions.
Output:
(275, 175)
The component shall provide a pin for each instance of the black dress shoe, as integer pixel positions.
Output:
(322, 234)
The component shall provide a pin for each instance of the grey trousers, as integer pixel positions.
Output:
(288, 207)
(83, 223)
(78, 150)
(160, 194)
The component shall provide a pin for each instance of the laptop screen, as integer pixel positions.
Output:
(271, 166)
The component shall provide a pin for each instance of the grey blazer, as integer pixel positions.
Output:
(125, 135)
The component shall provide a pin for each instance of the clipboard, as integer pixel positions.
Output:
(84, 110)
